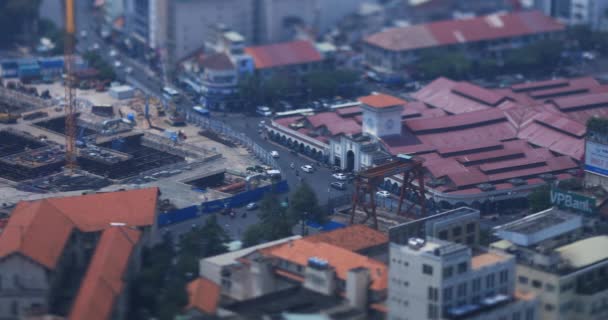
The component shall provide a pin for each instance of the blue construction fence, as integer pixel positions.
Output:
(208, 207)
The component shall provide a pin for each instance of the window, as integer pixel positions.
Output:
(549, 307)
(504, 276)
(462, 267)
(432, 311)
(516, 315)
(471, 240)
(433, 294)
(457, 231)
(462, 289)
(530, 314)
(426, 269)
(537, 284)
(550, 287)
(522, 280)
(490, 281)
(567, 286)
(443, 235)
(447, 294)
(476, 284)
(470, 227)
(448, 272)
(14, 308)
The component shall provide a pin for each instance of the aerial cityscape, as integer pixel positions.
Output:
(304, 159)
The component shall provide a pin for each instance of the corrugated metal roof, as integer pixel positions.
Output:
(495, 26)
(585, 252)
(283, 54)
(582, 101)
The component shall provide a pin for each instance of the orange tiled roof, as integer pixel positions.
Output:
(103, 281)
(299, 251)
(283, 54)
(204, 295)
(353, 238)
(37, 230)
(382, 101)
(40, 229)
(486, 259)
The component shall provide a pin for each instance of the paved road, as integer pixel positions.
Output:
(318, 180)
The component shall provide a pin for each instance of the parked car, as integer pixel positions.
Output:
(251, 206)
(274, 154)
(338, 185)
(383, 194)
(339, 176)
(307, 168)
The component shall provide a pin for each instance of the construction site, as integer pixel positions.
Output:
(117, 145)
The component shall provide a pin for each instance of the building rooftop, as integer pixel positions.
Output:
(218, 61)
(231, 257)
(353, 238)
(40, 229)
(103, 282)
(283, 54)
(342, 260)
(203, 295)
(486, 259)
(380, 101)
(585, 252)
(449, 32)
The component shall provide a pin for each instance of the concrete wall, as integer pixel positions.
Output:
(52, 10)
(193, 20)
(22, 284)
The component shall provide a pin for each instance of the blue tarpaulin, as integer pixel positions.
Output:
(329, 226)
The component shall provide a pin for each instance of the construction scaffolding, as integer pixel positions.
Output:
(367, 182)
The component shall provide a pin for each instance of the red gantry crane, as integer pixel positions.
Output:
(367, 182)
(70, 83)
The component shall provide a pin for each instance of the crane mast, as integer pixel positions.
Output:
(70, 83)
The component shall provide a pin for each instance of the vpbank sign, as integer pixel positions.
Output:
(568, 200)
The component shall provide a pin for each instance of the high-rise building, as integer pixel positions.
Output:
(436, 279)
(577, 12)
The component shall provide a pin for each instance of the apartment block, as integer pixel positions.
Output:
(562, 260)
(436, 279)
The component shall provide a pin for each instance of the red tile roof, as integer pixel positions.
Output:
(283, 54)
(203, 295)
(474, 92)
(459, 97)
(37, 230)
(218, 61)
(334, 123)
(381, 100)
(567, 104)
(40, 229)
(540, 85)
(455, 122)
(299, 251)
(354, 238)
(495, 26)
(104, 279)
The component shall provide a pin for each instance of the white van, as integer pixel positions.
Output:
(263, 111)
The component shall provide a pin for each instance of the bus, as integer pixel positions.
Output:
(170, 94)
(201, 111)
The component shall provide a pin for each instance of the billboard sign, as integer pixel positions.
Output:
(572, 201)
(596, 158)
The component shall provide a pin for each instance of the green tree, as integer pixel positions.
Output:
(304, 205)
(543, 56)
(324, 84)
(454, 65)
(540, 199)
(275, 219)
(94, 60)
(254, 235)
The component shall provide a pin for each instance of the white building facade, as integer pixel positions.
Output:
(443, 280)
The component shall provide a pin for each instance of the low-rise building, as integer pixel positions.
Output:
(480, 146)
(396, 49)
(436, 279)
(459, 225)
(562, 260)
(73, 256)
(337, 272)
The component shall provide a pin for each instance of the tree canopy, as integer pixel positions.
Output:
(540, 199)
(304, 205)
